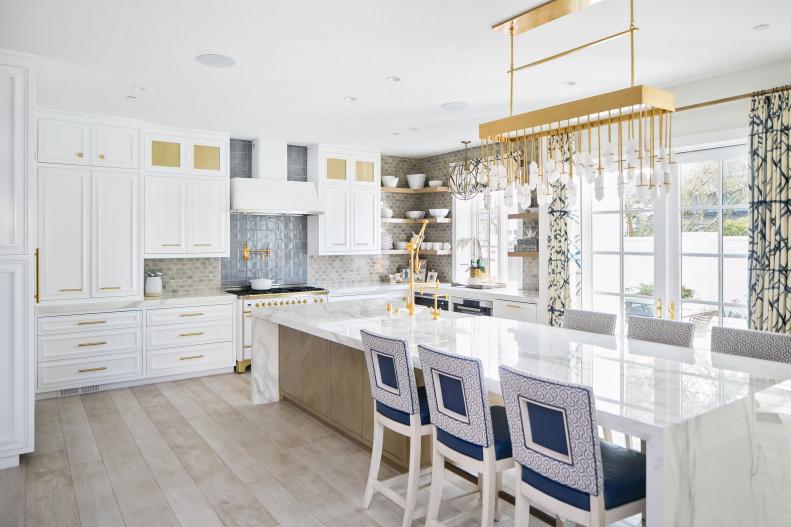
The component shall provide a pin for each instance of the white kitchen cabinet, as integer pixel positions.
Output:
(115, 146)
(335, 221)
(13, 162)
(16, 389)
(165, 215)
(165, 153)
(115, 239)
(208, 216)
(365, 225)
(64, 232)
(521, 311)
(207, 156)
(186, 152)
(64, 141)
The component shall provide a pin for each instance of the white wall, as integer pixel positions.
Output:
(722, 122)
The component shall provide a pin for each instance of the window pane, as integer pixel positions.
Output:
(639, 307)
(700, 182)
(608, 304)
(606, 232)
(611, 201)
(734, 231)
(735, 281)
(734, 317)
(638, 232)
(630, 199)
(700, 231)
(704, 317)
(700, 278)
(734, 181)
(606, 273)
(638, 275)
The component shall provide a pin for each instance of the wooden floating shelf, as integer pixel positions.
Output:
(526, 215)
(424, 190)
(407, 220)
(522, 254)
(426, 252)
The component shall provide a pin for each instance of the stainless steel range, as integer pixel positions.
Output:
(275, 298)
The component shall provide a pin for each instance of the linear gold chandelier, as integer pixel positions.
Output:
(623, 135)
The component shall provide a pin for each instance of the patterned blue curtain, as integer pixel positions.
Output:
(770, 212)
(558, 243)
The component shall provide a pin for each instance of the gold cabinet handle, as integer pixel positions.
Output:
(86, 370)
(87, 344)
(101, 156)
(79, 155)
(193, 334)
(247, 347)
(513, 306)
(192, 314)
(91, 322)
(170, 244)
(38, 274)
(71, 290)
(671, 312)
(658, 308)
(110, 288)
(201, 245)
(190, 357)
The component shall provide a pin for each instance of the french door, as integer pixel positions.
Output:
(682, 256)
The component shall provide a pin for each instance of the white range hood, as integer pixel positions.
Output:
(269, 192)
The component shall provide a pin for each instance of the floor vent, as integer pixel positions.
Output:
(90, 389)
(78, 391)
(70, 391)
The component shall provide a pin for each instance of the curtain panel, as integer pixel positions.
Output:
(558, 243)
(770, 212)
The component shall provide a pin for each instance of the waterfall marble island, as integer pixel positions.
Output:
(717, 428)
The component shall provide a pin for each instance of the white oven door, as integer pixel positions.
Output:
(247, 333)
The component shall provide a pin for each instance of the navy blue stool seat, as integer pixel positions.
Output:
(403, 417)
(502, 438)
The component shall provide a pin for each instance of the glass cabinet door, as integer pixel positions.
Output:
(207, 157)
(364, 171)
(336, 168)
(164, 153)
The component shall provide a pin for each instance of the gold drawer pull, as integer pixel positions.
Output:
(86, 344)
(192, 314)
(79, 155)
(247, 347)
(170, 244)
(513, 306)
(193, 334)
(72, 290)
(91, 322)
(190, 357)
(86, 370)
(248, 311)
(110, 288)
(201, 245)
(101, 156)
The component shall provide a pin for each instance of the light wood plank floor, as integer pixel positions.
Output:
(196, 453)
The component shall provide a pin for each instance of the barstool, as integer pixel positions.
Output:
(590, 321)
(562, 466)
(467, 431)
(751, 343)
(398, 405)
(661, 331)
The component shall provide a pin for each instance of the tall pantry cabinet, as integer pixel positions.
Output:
(17, 270)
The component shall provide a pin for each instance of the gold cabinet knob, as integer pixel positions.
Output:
(79, 155)
(101, 156)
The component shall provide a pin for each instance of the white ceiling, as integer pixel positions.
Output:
(297, 59)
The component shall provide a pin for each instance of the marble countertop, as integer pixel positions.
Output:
(204, 297)
(503, 293)
(652, 386)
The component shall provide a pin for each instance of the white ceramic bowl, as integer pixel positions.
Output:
(435, 183)
(261, 284)
(401, 245)
(446, 246)
(438, 213)
(416, 180)
(389, 181)
(415, 214)
(387, 212)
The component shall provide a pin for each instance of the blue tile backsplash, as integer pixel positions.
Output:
(286, 236)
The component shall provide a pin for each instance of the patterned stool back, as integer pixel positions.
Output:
(390, 372)
(457, 396)
(590, 321)
(553, 429)
(661, 331)
(751, 343)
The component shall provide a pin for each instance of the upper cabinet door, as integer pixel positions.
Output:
(66, 142)
(165, 153)
(336, 168)
(115, 235)
(115, 146)
(63, 232)
(13, 161)
(366, 171)
(208, 216)
(208, 157)
(165, 212)
(335, 220)
(366, 222)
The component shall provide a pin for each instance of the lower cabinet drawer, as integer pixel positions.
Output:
(191, 358)
(187, 334)
(522, 311)
(194, 314)
(89, 343)
(86, 371)
(89, 322)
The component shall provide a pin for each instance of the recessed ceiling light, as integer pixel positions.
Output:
(568, 83)
(350, 98)
(131, 97)
(138, 89)
(396, 133)
(454, 106)
(761, 27)
(214, 60)
(393, 78)
(414, 129)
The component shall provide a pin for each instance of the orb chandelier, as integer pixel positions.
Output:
(464, 176)
(623, 135)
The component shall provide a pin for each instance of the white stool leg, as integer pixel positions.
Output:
(376, 459)
(497, 502)
(521, 505)
(489, 488)
(413, 479)
(437, 475)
